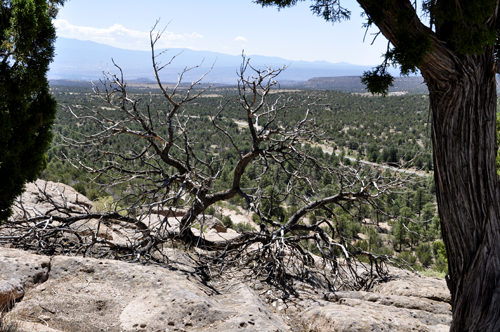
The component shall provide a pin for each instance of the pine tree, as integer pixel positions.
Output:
(27, 109)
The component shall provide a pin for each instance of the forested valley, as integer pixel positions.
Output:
(353, 129)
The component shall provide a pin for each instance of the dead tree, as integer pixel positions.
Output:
(167, 174)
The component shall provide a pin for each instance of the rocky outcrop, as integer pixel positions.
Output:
(41, 198)
(404, 302)
(36, 200)
(368, 311)
(85, 294)
(427, 288)
(20, 270)
(358, 315)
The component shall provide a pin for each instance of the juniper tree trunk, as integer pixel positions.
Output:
(463, 99)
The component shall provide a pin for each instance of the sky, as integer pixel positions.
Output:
(224, 26)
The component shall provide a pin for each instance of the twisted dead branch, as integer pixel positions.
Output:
(171, 184)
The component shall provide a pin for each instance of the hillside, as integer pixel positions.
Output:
(412, 84)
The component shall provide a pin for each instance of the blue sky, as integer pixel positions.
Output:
(225, 26)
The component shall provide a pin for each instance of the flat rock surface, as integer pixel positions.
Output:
(429, 288)
(357, 315)
(33, 199)
(84, 294)
(407, 302)
(19, 271)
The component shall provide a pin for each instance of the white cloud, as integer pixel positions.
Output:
(240, 38)
(193, 35)
(119, 36)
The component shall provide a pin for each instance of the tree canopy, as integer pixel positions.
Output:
(27, 109)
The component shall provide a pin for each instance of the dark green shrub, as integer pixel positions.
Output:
(93, 194)
(389, 251)
(244, 227)
(227, 222)
(80, 187)
(408, 257)
(424, 254)
(363, 245)
(439, 250)
(441, 265)
(210, 210)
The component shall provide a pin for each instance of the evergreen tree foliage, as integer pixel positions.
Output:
(27, 109)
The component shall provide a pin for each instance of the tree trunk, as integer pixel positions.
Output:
(463, 99)
(462, 91)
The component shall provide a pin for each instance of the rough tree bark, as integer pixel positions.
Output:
(463, 99)
(463, 108)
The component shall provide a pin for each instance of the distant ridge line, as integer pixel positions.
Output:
(411, 84)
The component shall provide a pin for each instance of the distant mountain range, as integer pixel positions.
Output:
(84, 60)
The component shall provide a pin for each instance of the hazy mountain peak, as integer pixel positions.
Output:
(77, 59)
